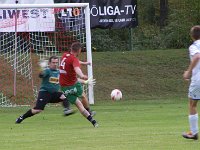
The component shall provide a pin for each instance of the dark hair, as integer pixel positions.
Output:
(195, 32)
(52, 57)
(76, 46)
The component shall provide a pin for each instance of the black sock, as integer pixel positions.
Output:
(91, 119)
(28, 114)
(66, 103)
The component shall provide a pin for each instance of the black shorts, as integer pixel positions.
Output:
(45, 97)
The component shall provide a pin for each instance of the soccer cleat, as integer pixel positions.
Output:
(68, 111)
(95, 124)
(19, 120)
(189, 135)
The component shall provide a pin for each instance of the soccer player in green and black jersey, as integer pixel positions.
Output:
(49, 91)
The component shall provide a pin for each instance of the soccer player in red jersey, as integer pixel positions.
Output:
(70, 86)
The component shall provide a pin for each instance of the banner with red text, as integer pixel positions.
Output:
(110, 13)
(27, 19)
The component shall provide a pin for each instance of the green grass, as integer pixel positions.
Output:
(124, 125)
(151, 116)
(147, 75)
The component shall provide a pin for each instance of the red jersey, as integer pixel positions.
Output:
(68, 75)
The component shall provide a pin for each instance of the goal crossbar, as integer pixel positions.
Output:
(57, 5)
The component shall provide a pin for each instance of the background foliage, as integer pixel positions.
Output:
(154, 30)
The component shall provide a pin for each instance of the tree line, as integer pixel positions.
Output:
(163, 24)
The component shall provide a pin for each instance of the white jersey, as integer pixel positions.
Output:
(194, 88)
(194, 49)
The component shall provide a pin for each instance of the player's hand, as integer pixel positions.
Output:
(43, 64)
(90, 81)
(186, 75)
(85, 77)
(88, 63)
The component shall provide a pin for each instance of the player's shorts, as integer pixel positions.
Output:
(73, 92)
(194, 90)
(45, 97)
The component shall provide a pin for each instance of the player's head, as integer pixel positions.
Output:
(53, 62)
(195, 32)
(76, 47)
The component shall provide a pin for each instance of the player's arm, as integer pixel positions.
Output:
(43, 73)
(84, 62)
(77, 69)
(80, 73)
(193, 63)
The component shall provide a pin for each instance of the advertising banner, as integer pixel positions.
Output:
(27, 20)
(110, 13)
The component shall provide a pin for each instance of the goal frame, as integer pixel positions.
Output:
(87, 27)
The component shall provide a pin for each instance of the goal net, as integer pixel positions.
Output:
(30, 33)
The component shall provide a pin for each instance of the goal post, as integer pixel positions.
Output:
(31, 32)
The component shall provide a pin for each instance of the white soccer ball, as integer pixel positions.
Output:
(116, 95)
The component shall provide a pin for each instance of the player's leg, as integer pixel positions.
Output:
(42, 100)
(85, 102)
(193, 121)
(60, 97)
(194, 95)
(79, 105)
(29, 113)
(85, 113)
(77, 91)
(193, 117)
(67, 110)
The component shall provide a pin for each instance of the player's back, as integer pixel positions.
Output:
(67, 72)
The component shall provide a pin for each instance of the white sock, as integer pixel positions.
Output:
(193, 121)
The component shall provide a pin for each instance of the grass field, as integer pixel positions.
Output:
(151, 116)
(124, 125)
(143, 75)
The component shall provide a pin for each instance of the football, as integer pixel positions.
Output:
(116, 95)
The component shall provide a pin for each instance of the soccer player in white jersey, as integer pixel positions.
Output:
(193, 74)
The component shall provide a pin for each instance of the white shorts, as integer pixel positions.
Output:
(194, 90)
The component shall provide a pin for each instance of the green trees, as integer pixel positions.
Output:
(163, 24)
